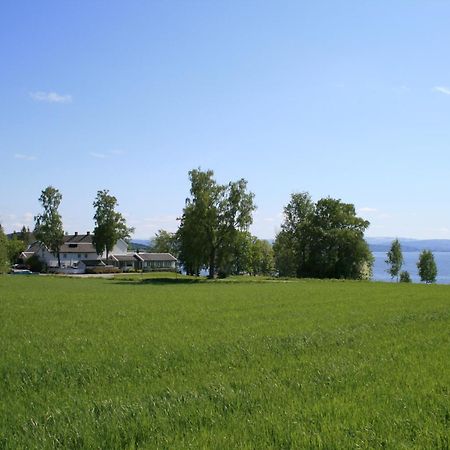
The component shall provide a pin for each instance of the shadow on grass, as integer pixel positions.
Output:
(160, 281)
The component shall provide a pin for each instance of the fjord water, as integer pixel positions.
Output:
(410, 260)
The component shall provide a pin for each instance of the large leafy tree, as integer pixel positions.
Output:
(395, 259)
(110, 225)
(292, 244)
(427, 267)
(322, 240)
(48, 225)
(212, 219)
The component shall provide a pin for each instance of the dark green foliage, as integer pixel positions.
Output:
(98, 270)
(4, 261)
(35, 264)
(322, 240)
(95, 363)
(395, 259)
(427, 267)
(110, 225)
(287, 256)
(15, 248)
(48, 225)
(211, 221)
(405, 277)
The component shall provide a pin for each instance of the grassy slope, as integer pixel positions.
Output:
(103, 363)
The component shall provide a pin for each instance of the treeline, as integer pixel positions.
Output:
(12, 247)
(323, 239)
(319, 240)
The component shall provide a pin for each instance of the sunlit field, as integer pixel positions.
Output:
(127, 363)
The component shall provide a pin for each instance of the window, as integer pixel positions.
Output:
(79, 255)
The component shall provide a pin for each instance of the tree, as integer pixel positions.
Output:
(322, 240)
(211, 221)
(15, 248)
(405, 277)
(48, 225)
(164, 242)
(4, 262)
(285, 255)
(110, 225)
(25, 235)
(395, 259)
(262, 259)
(427, 267)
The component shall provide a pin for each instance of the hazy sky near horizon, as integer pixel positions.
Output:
(349, 99)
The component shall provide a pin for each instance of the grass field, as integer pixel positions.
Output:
(97, 363)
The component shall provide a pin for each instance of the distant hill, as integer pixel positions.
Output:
(376, 244)
(383, 244)
(139, 244)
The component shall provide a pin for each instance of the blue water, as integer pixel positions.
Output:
(409, 263)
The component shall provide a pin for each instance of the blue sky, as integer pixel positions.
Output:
(343, 98)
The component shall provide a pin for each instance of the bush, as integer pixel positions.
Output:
(35, 264)
(105, 269)
(405, 277)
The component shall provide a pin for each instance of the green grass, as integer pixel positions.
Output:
(97, 363)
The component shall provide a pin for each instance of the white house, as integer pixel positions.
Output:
(77, 253)
(75, 248)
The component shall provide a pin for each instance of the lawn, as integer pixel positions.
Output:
(127, 363)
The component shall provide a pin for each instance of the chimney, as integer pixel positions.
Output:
(88, 233)
(76, 233)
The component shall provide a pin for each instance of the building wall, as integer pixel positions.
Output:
(120, 248)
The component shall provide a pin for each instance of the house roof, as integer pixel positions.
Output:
(26, 255)
(155, 257)
(78, 243)
(127, 257)
(72, 243)
(74, 247)
(33, 247)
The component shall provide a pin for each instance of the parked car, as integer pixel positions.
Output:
(23, 272)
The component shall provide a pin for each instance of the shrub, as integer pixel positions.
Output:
(35, 264)
(105, 269)
(405, 277)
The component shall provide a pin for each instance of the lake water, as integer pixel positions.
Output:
(409, 263)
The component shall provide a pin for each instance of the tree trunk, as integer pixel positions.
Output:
(212, 262)
(59, 259)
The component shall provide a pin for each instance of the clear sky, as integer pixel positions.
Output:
(343, 98)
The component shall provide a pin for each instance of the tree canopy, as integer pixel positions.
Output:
(427, 267)
(48, 225)
(4, 262)
(164, 242)
(110, 225)
(212, 219)
(395, 259)
(322, 240)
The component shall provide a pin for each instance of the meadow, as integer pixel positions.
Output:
(132, 363)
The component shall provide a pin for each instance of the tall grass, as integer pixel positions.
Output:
(94, 363)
